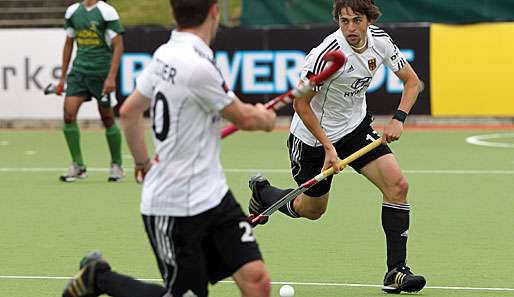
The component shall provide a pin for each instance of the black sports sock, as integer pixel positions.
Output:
(270, 194)
(118, 285)
(395, 221)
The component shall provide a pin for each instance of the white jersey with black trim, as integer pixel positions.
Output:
(340, 103)
(187, 93)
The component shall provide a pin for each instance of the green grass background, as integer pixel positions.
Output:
(461, 224)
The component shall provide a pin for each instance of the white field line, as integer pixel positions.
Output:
(269, 170)
(23, 277)
(485, 140)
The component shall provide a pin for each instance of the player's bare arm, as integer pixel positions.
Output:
(303, 108)
(249, 117)
(66, 58)
(110, 81)
(411, 88)
(132, 122)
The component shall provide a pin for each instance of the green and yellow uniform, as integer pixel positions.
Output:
(92, 28)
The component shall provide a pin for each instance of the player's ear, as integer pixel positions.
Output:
(214, 11)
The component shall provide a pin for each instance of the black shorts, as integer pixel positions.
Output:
(208, 247)
(307, 161)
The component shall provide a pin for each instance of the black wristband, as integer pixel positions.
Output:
(400, 115)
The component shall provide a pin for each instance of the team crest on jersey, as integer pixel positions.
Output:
(93, 26)
(372, 64)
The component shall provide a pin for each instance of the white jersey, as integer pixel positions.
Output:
(340, 103)
(187, 93)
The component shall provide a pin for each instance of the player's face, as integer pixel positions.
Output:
(90, 2)
(354, 26)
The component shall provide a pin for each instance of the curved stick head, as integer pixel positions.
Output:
(337, 60)
(336, 57)
(50, 89)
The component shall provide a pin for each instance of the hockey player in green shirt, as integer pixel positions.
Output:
(95, 27)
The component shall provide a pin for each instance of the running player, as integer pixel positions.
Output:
(197, 230)
(95, 27)
(333, 122)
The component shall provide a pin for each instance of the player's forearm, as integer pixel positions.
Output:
(248, 117)
(255, 119)
(410, 93)
(133, 129)
(309, 119)
(132, 123)
(66, 57)
(116, 57)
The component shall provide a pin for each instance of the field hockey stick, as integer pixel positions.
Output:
(263, 217)
(51, 89)
(336, 57)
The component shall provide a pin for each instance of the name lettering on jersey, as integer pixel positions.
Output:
(87, 37)
(359, 85)
(167, 72)
(351, 94)
(372, 64)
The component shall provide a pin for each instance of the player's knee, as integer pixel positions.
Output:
(403, 188)
(262, 284)
(399, 191)
(315, 213)
(254, 280)
(69, 117)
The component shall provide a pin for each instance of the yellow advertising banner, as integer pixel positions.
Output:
(472, 69)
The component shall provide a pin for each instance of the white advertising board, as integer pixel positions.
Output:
(29, 60)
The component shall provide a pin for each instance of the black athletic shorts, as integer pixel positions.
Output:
(307, 161)
(208, 247)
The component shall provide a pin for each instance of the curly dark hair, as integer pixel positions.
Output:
(191, 13)
(366, 7)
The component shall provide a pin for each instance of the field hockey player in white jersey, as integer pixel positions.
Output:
(332, 122)
(197, 230)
